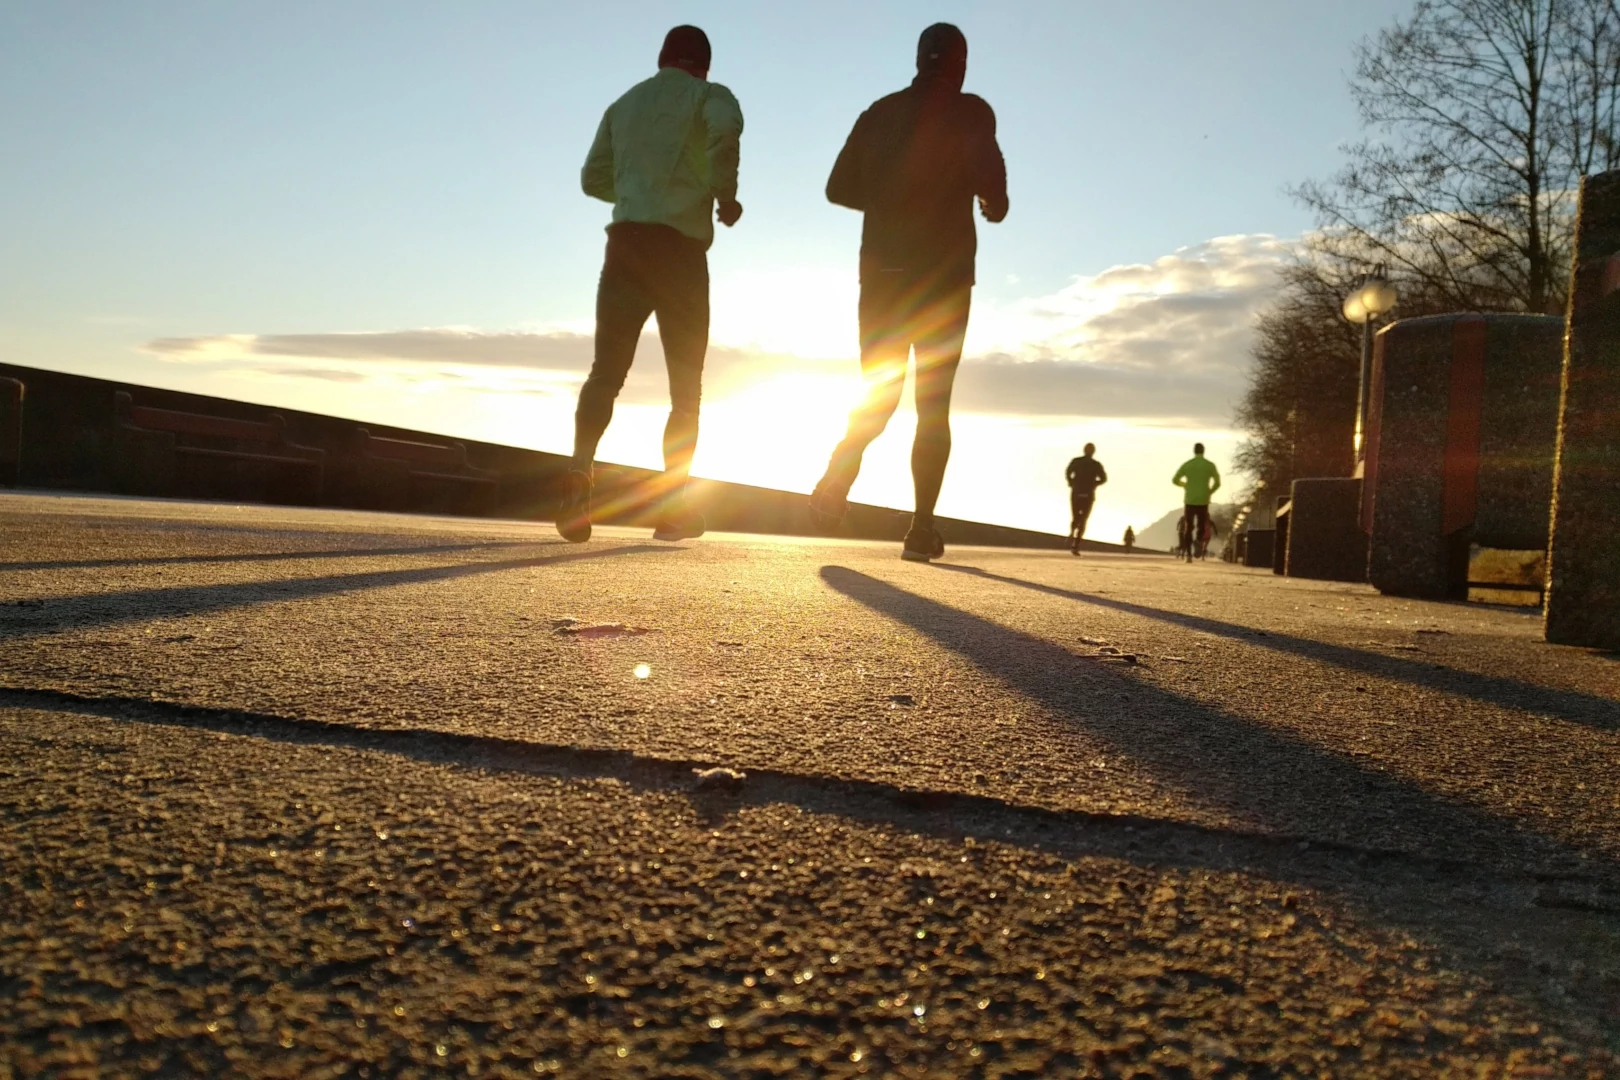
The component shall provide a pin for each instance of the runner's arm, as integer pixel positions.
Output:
(597, 175)
(1102, 474)
(992, 185)
(1215, 479)
(723, 119)
(846, 186)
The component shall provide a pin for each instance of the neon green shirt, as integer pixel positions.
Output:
(665, 151)
(1201, 479)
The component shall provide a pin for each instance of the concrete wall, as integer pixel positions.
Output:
(67, 445)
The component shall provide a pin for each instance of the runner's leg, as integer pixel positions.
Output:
(942, 327)
(681, 293)
(1082, 514)
(884, 346)
(622, 307)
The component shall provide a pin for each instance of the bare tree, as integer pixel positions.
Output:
(1299, 409)
(1482, 114)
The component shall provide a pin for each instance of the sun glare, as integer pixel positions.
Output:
(776, 432)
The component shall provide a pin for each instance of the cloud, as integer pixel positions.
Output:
(1163, 343)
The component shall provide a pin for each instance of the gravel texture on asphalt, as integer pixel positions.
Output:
(289, 793)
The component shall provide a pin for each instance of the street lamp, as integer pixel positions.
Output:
(1372, 297)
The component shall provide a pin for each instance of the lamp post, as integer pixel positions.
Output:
(1372, 297)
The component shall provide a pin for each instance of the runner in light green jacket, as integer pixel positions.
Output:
(665, 156)
(1201, 480)
(666, 152)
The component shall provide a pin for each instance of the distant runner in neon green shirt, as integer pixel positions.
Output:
(1201, 480)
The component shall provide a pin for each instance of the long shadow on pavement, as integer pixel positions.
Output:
(139, 605)
(1217, 759)
(262, 556)
(1588, 709)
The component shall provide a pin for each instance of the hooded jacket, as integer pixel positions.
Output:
(914, 164)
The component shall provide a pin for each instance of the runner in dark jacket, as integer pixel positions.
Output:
(1085, 474)
(914, 165)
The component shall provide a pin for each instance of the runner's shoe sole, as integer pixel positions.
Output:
(574, 516)
(935, 549)
(690, 528)
(826, 511)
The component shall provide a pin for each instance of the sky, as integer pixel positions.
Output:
(372, 210)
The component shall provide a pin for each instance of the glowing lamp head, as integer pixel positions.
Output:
(1377, 296)
(1372, 298)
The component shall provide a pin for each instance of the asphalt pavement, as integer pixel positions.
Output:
(306, 793)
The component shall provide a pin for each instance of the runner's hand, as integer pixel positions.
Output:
(728, 212)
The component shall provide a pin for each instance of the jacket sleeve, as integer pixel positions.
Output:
(1102, 474)
(846, 186)
(992, 168)
(1215, 478)
(723, 122)
(597, 175)
(1180, 479)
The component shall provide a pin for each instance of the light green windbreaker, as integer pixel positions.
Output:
(1201, 479)
(665, 151)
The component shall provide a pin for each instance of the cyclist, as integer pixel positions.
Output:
(1200, 479)
(1085, 474)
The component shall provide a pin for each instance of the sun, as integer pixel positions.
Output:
(778, 431)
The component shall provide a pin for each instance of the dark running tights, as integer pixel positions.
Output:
(648, 269)
(896, 317)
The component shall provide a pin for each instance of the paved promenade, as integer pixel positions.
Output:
(302, 793)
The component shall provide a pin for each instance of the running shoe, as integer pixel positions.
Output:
(574, 514)
(679, 523)
(828, 506)
(922, 544)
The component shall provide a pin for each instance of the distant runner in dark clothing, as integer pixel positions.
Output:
(1085, 474)
(914, 165)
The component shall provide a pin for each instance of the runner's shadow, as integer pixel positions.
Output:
(1588, 709)
(1267, 777)
(141, 605)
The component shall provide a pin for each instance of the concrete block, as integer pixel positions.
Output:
(1460, 437)
(1583, 595)
(1259, 546)
(1325, 540)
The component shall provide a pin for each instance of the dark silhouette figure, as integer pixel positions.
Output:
(1130, 538)
(664, 156)
(1201, 480)
(1085, 474)
(914, 164)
